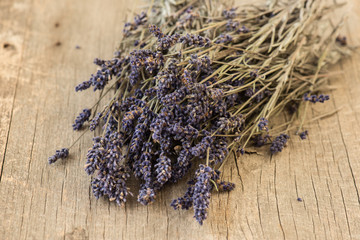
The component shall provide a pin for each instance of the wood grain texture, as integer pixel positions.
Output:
(39, 67)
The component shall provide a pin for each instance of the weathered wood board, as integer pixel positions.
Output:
(39, 67)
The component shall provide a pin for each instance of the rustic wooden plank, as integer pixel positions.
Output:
(38, 105)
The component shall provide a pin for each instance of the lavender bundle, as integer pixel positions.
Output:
(193, 83)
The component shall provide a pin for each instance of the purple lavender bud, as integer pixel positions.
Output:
(155, 30)
(112, 183)
(240, 150)
(108, 70)
(341, 40)
(201, 147)
(185, 202)
(142, 168)
(232, 25)
(60, 154)
(130, 117)
(303, 134)
(81, 119)
(229, 13)
(225, 186)
(94, 156)
(202, 194)
(224, 38)
(279, 143)
(95, 122)
(146, 195)
(218, 151)
(163, 170)
(314, 98)
(260, 140)
(83, 86)
(230, 124)
(196, 40)
(140, 19)
(263, 124)
(187, 18)
(99, 62)
(200, 64)
(243, 29)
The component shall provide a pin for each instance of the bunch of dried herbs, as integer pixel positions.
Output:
(194, 83)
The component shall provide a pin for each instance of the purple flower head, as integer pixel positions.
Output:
(303, 134)
(167, 41)
(202, 192)
(187, 18)
(95, 121)
(94, 157)
(342, 40)
(229, 13)
(108, 70)
(60, 154)
(314, 98)
(201, 148)
(112, 183)
(139, 20)
(81, 119)
(230, 124)
(130, 118)
(146, 195)
(243, 29)
(224, 38)
(260, 140)
(163, 170)
(83, 86)
(185, 202)
(195, 40)
(200, 65)
(263, 124)
(232, 25)
(225, 186)
(155, 30)
(279, 143)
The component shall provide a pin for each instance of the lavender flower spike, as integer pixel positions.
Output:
(63, 153)
(279, 143)
(201, 197)
(81, 119)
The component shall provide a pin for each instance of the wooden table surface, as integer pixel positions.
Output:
(39, 68)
